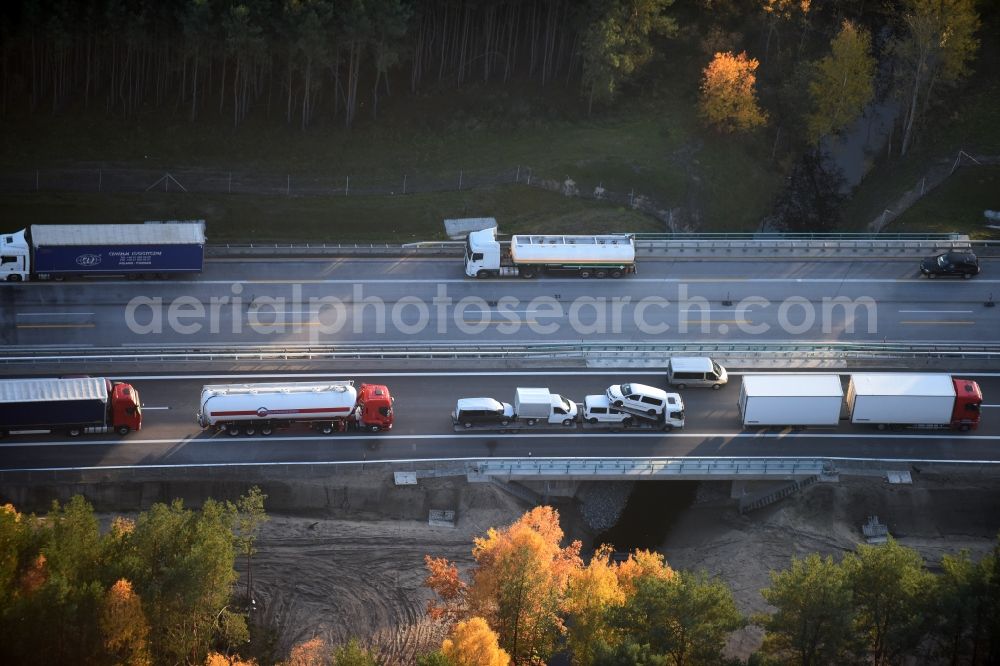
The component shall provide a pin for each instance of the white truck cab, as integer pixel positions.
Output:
(482, 253)
(15, 257)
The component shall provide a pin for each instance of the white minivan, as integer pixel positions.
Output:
(685, 371)
(641, 398)
(598, 409)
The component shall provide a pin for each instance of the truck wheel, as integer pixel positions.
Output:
(651, 412)
(326, 428)
(532, 422)
(504, 422)
(567, 422)
(964, 428)
(931, 276)
(626, 423)
(528, 273)
(266, 430)
(75, 432)
(374, 428)
(14, 277)
(232, 430)
(616, 274)
(882, 426)
(123, 430)
(592, 421)
(600, 275)
(966, 276)
(716, 387)
(249, 430)
(585, 274)
(681, 387)
(482, 275)
(467, 424)
(667, 427)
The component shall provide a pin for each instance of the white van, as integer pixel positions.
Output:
(685, 371)
(598, 409)
(639, 397)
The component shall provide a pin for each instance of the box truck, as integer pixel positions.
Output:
(325, 406)
(599, 256)
(905, 399)
(60, 251)
(790, 400)
(74, 406)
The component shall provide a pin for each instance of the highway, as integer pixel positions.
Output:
(423, 428)
(319, 301)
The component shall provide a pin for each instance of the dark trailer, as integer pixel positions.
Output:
(153, 249)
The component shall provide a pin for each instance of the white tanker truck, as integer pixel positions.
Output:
(326, 406)
(599, 256)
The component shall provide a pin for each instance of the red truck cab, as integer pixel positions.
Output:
(968, 400)
(374, 407)
(126, 409)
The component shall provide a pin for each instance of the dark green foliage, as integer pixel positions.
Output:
(681, 620)
(435, 658)
(353, 654)
(56, 573)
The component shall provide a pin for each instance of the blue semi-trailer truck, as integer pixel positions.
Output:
(151, 250)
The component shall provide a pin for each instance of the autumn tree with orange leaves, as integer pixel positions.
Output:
(473, 643)
(517, 585)
(124, 625)
(591, 591)
(728, 100)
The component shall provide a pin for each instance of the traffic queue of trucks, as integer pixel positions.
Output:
(60, 251)
(87, 405)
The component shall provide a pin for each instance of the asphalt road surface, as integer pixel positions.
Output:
(423, 428)
(409, 300)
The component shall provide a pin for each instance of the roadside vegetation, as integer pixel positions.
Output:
(161, 588)
(708, 113)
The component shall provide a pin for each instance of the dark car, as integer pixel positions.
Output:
(964, 264)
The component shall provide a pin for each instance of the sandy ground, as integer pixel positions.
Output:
(338, 579)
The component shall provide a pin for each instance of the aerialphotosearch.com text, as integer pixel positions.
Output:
(370, 315)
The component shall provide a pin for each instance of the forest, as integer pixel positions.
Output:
(300, 60)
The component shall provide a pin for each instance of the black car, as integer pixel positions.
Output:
(964, 264)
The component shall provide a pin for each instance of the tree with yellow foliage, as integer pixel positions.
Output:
(473, 643)
(844, 82)
(642, 564)
(728, 100)
(517, 583)
(124, 626)
(590, 592)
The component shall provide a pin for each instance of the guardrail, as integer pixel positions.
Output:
(637, 351)
(817, 245)
(630, 468)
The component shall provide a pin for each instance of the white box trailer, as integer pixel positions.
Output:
(791, 400)
(901, 399)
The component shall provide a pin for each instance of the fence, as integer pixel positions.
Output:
(208, 181)
(927, 183)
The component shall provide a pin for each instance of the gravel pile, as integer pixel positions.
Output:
(602, 502)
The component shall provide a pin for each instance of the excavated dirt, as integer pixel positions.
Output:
(341, 578)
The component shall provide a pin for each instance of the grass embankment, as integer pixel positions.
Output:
(652, 147)
(966, 121)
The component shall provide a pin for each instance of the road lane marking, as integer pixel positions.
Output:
(53, 314)
(56, 325)
(517, 373)
(932, 322)
(575, 433)
(716, 321)
(989, 405)
(146, 409)
(935, 311)
(470, 281)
